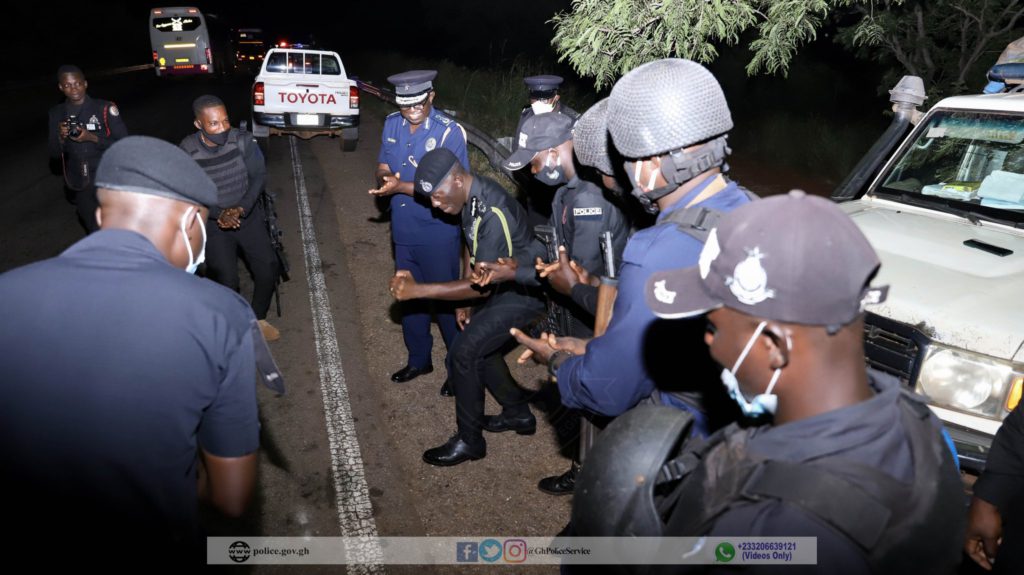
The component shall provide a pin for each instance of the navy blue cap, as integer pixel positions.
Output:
(539, 132)
(413, 86)
(145, 165)
(433, 168)
(543, 87)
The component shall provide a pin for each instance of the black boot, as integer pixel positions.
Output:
(560, 484)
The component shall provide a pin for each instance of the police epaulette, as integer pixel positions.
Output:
(393, 114)
(443, 119)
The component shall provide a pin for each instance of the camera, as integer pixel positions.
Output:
(74, 126)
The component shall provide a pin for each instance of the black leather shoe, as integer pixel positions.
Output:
(453, 452)
(560, 484)
(446, 389)
(523, 424)
(409, 372)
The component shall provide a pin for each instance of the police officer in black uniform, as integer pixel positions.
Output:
(544, 97)
(492, 224)
(995, 526)
(111, 409)
(237, 224)
(580, 215)
(81, 129)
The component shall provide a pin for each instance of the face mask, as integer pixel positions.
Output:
(217, 139)
(542, 107)
(552, 175)
(193, 265)
(763, 403)
(647, 199)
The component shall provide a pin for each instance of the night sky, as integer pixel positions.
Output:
(473, 33)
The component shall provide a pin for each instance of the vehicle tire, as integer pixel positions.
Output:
(349, 139)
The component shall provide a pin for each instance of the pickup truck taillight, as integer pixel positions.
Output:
(155, 56)
(353, 97)
(258, 94)
(209, 56)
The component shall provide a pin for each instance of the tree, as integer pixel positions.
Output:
(948, 43)
(940, 40)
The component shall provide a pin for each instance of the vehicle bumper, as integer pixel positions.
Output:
(327, 124)
(972, 447)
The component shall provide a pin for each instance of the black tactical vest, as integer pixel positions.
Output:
(900, 528)
(225, 165)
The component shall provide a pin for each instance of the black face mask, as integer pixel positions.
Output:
(216, 139)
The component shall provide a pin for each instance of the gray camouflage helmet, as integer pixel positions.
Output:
(590, 138)
(666, 105)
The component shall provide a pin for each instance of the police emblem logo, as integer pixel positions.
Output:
(663, 294)
(522, 139)
(94, 119)
(749, 282)
(426, 186)
(431, 144)
(594, 211)
(114, 111)
(474, 207)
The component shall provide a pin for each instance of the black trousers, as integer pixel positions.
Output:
(252, 242)
(85, 206)
(476, 360)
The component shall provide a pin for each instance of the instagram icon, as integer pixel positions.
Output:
(515, 551)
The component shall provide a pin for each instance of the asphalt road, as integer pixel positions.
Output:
(341, 450)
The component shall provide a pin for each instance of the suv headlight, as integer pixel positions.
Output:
(968, 382)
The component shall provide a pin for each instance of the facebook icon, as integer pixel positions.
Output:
(465, 552)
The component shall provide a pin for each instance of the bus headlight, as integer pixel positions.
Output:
(966, 381)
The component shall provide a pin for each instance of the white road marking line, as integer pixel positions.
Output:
(355, 513)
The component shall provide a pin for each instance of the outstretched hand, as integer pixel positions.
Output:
(541, 349)
(387, 186)
(486, 273)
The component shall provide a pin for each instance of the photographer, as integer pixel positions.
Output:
(81, 128)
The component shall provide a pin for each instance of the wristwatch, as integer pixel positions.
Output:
(555, 361)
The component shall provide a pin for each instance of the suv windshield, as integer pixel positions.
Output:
(966, 159)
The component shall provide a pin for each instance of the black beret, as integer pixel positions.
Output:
(434, 167)
(147, 165)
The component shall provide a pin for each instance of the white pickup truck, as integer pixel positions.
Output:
(306, 93)
(946, 215)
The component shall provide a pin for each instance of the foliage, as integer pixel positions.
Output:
(943, 41)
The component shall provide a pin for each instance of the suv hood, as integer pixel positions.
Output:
(957, 295)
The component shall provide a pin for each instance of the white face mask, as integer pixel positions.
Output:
(193, 265)
(763, 403)
(542, 107)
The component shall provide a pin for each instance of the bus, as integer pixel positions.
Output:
(181, 42)
(250, 47)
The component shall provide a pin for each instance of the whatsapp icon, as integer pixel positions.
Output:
(725, 552)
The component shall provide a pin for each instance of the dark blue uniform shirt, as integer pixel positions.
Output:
(117, 367)
(413, 222)
(611, 377)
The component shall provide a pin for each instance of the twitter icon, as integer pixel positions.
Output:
(490, 550)
(466, 552)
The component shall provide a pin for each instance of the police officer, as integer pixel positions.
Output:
(426, 243)
(118, 415)
(843, 452)
(580, 215)
(544, 98)
(81, 129)
(669, 119)
(492, 223)
(994, 530)
(237, 224)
